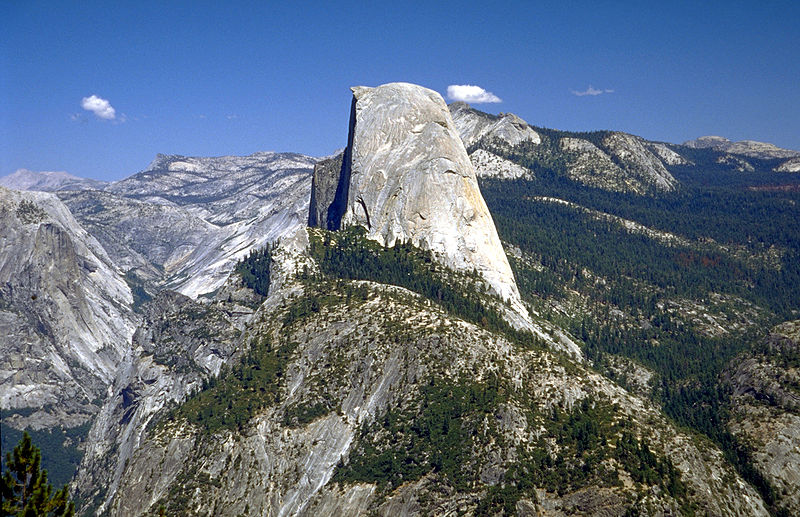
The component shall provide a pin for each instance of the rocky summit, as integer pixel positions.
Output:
(406, 176)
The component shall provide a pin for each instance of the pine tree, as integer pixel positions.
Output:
(24, 487)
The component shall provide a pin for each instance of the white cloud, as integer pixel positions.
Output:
(99, 106)
(470, 93)
(591, 91)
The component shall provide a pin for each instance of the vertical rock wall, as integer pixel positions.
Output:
(406, 176)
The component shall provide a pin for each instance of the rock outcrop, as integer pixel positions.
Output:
(473, 125)
(790, 165)
(619, 162)
(667, 155)
(736, 163)
(323, 190)
(504, 146)
(406, 176)
(489, 165)
(643, 166)
(766, 411)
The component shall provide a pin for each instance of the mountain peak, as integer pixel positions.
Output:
(406, 176)
(707, 141)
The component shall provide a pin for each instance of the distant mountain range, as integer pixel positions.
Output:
(749, 148)
(48, 181)
(606, 159)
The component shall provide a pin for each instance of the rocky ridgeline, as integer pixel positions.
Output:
(473, 126)
(65, 314)
(749, 148)
(614, 161)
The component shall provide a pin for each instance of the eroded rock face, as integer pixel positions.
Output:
(65, 313)
(638, 162)
(323, 189)
(184, 222)
(667, 155)
(406, 176)
(621, 163)
(179, 344)
(735, 163)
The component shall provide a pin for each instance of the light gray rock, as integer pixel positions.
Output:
(736, 163)
(179, 344)
(407, 177)
(708, 142)
(65, 312)
(751, 148)
(184, 222)
(667, 155)
(473, 125)
(622, 163)
(642, 165)
(489, 165)
(608, 160)
(766, 410)
(790, 165)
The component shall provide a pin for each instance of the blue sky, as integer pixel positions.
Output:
(215, 78)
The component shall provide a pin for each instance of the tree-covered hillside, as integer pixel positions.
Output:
(679, 283)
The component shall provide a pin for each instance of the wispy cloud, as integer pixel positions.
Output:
(470, 93)
(591, 91)
(99, 106)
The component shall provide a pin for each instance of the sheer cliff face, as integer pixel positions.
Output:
(406, 176)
